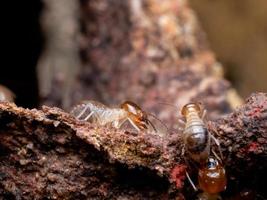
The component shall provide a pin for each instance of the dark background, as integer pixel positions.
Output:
(21, 45)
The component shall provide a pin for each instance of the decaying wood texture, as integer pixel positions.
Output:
(149, 52)
(47, 153)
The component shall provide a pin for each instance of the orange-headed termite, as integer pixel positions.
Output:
(101, 114)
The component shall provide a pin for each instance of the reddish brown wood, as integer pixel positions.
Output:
(48, 153)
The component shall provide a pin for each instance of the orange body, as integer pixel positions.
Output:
(212, 177)
(136, 114)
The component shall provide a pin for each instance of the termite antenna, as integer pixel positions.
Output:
(168, 104)
(152, 125)
(159, 121)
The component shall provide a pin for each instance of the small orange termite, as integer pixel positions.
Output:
(6, 94)
(101, 114)
(212, 179)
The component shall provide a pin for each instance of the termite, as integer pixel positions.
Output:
(6, 94)
(101, 114)
(197, 144)
(196, 137)
(212, 179)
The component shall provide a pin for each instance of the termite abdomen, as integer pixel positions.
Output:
(212, 177)
(196, 135)
(197, 140)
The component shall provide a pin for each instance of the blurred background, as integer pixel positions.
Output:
(236, 31)
(47, 42)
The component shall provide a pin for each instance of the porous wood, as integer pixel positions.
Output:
(149, 52)
(47, 153)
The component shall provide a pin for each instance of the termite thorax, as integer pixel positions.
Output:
(193, 119)
(192, 108)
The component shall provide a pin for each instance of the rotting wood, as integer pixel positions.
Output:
(48, 153)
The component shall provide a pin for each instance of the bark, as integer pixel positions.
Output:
(47, 153)
(148, 52)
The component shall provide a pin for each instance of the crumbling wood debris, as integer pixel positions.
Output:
(47, 153)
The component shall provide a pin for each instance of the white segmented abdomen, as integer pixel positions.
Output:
(111, 115)
(95, 112)
(193, 119)
(196, 137)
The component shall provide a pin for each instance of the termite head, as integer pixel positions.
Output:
(137, 115)
(212, 176)
(192, 107)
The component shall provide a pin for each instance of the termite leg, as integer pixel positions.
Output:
(118, 124)
(83, 111)
(216, 155)
(218, 144)
(187, 175)
(133, 124)
(204, 114)
(183, 150)
(190, 181)
(88, 116)
(181, 122)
